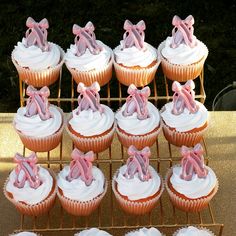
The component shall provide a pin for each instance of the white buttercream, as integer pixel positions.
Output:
(34, 58)
(89, 123)
(135, 57)
(196, 187)
(134, 188)
(183, 54)
(93, 232)
(34, 126)
(25, 233)
(77, 189)
(185, 121)
(30, 195)
(88, 61)
(132, 125)
(145, 232)
(193, 231)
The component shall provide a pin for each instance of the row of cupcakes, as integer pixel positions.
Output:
(186, 231)
(137, 187)
(39, 62)
(92, 125)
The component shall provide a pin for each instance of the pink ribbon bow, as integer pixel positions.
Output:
(37, 102)
(184, 97)
(37, 33)
(138, 162)
(81, 166)
(86, 39)
(134, 35)
(89, 98)
(26, 170)
(137, 102)
(192, 162)
(183, 32)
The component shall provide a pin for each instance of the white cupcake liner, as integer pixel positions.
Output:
(38, 208)
(135, 231)
(96, 144)
(42, 144)
(198, 227)
(139, 77)
(181, 73)
(102, 75)
(39, 78)
(79, 208)
(188, 205)
(139, 141)
(135, 207)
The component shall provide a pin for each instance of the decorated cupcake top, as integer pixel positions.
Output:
(81, 181)
(38, 118)
(35, 52)
(183, 47)
(133, 51)
(145, 232)
(137, 179)
(193, 231)
(93, 232)
(138, 116)
(29, 182)
(192, 178)
(184, 113)
(87, 53)
(25, 233)
(90, 117)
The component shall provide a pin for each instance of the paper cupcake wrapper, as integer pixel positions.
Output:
(202, 228)
(15, 234)
(135, 232)
(134, 207)
(139, 141)
(181, 73)
(42, 144)
(189, 205)
(139, 77)
(102, 76)
(39, 78)
(36, 209)
(79, 208)
(95, 144)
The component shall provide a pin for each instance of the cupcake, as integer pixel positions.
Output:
(193, 231)
(89, 60)
(81, 186)
(25, 233)
(182, 55)
(191, 185)
(145, 232)
(91, 125)
(39, 124)
(135, 61)
(37, 61)
(184, 120)
(30, 187)
(138, 121)
(136, 185)
(93, 232)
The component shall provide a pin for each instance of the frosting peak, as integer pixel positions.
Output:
(37, 33)
(183, 32)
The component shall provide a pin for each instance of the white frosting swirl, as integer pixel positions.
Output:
(34, 126)
(27, 194)
(134, 57)
(145, 232)
(77, 189)
(88, 61)
(183, 54)
(185, 121)
(132, 125)
(136, 189)
(25, 233)
(193, 231)
(93, 232)
(89, 123)
(196, 187)
(34, 58)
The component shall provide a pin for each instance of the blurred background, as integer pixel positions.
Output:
(215, 25)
